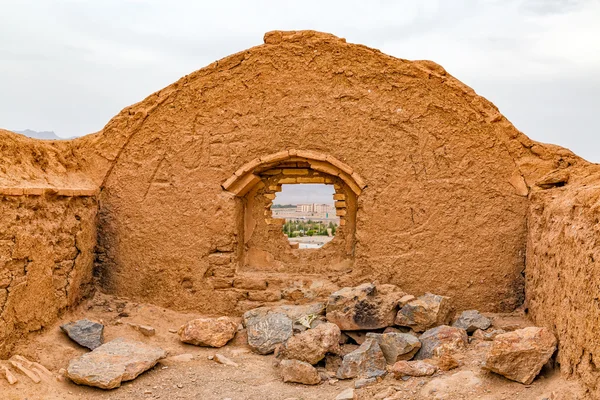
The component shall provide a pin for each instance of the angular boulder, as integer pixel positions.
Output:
(441, 340)
(367, 361)
(471, 320)
(312, 345)
(267, 329)
(521, 354)
(396, 346)
(427, 311)
(299, 372)
(114, 362)
(84, 332)
(413, 368)
(208, 332)
(364, 307)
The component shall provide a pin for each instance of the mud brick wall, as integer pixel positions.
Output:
(563, 275)
(47, 240)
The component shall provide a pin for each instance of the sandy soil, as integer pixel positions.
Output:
(254, 378)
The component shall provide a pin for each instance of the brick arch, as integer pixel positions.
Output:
(246, 176)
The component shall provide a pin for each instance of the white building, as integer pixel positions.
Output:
(314, 208)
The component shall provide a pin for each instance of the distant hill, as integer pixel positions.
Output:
(46, 135)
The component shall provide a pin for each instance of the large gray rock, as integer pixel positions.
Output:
(427, 311)
(114, 362)
(364, 307)
(267, 329)
(520, 355)
(471, 320)
(84, 332)
(442, 340)
(367, 361)
(396, 346)
(312, 345)
(299, 372)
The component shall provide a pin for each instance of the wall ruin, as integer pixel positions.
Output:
(563, 272)
(47, 242)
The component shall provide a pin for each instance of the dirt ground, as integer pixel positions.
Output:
(254, 378)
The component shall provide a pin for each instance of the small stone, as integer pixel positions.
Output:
(208, 332)
(10, 377)
(267, 329)
(521, 354)
(367, 361)
(487, 335)
(425, 312)
(446, 362)
(347, 394)
(172, 330)
(471, 320)
(312, 345)
(360, 383)
(145, 330)
(84, 332)
(443, 339)
(25, 369)
(396, 346)
(221, 359)
(413, 368)
(364, 307)
(114, 362)
(299, 372)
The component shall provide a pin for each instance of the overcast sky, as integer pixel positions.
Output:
(69, 66)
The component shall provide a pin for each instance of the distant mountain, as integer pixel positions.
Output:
(46, 135)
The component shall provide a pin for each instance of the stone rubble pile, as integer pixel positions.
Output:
(393, 332)
(360, 333)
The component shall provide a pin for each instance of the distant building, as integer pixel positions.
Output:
(314, 208)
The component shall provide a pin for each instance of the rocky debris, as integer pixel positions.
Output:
(441, 340)
(425, 312)
(347, 394)
(471, 320)
(521, 354)
(364, 307)
(145, 330)
(413, 368)
(221, 359)
(84, 332)
(208, 332)
(487, 335)
(311, 345)
(367, 361)
(267, 329)
(114, 362)
(396, 346)
(299, 372)
(10, 377)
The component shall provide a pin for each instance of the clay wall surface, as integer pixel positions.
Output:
(447, 176)
(46, 259)
(563, 272)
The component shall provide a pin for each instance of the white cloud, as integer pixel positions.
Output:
(70, 65)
